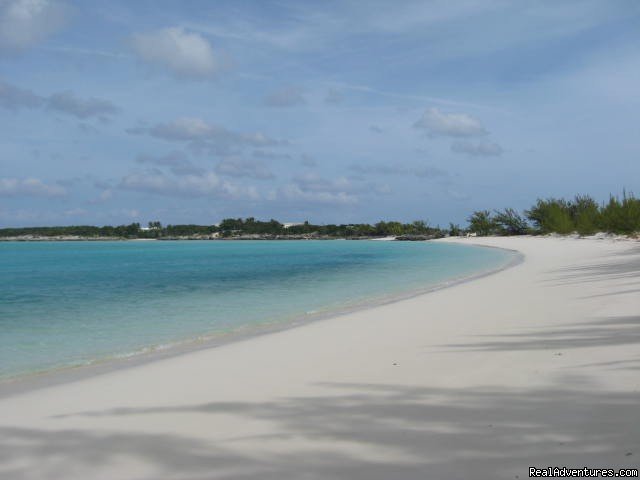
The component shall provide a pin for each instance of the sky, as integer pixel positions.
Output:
(332, 112)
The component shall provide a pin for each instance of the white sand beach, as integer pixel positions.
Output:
(537, 365)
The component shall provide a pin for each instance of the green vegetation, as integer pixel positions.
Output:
(230, 228)
(481, 223)
(582, 214)
(250, 226)
(124, 231)
(510, 222)
(132, 230)
(455, 230)
(185, 230)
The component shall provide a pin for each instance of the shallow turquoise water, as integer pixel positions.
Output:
(72, 303)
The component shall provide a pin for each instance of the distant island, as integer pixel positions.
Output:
(581, 215)
(227, 229)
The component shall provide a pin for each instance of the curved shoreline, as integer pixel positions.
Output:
(536, 365)
(70, 373)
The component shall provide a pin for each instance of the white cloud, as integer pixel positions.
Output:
(334, 96)
(105, 196)
(29, 187)
(75, 212)
(24, 23)
(285, 97)
(67, 102)
(438, 123)
(422, 171)
(308, 160)
(178, 163)
(240, 167)
(268, 155)
(485, 26)
(457, 195)
(207, 184)
(316, 183)
(15, 98)
(382, 189)
(130, 213)
(310, 188)
(202, 135)
(296, 193)
(477, 149)
(88, 128)
(185, 54)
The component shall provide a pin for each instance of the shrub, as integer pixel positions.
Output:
(551, 215)
(482, 223)
(510, 222)
(622, 216)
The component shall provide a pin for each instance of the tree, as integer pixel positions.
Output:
(418, 227)
(622, 216)
(586, 214)
(481, 223)
(389, 228)
(454, 230)
(510, 222)
(551, 215)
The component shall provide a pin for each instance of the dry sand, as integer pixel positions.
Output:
(538, 365)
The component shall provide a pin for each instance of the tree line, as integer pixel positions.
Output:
(581, 214)
(250, 226)
(230, 227)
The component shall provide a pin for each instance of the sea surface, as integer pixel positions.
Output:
(65, 304)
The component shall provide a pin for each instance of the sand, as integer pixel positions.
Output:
(537, 365)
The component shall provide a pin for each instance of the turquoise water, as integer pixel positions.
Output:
(72, 303)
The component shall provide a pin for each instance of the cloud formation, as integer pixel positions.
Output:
(177, 162)
(311, 188)
(207, 184)
(202, 135)
(269, 155)
(185, 54)
(307, 160)
(477, 149)
(422, 171)
(294, 192)
(67, 102)
(285, 97)
(438, 123)
(104, 196)
(315, 183)
(15, 98)
(240, 167)
(24, 23)
(334, 96)
(29, 187)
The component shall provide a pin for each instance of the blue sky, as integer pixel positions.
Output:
(193, 111)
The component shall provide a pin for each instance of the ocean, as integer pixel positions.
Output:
(66, 304)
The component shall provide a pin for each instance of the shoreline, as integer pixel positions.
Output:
(28, 382)
(197, 239)
(535, 365)
(250, 237)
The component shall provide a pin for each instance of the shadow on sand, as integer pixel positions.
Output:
(623, 330)
(432, 433)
